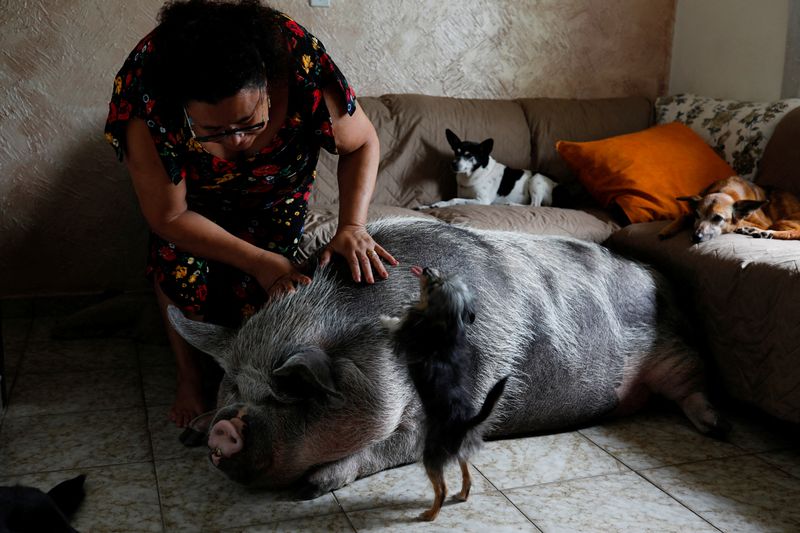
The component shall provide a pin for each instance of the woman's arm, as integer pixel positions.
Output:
(166, 212)
(359, 155)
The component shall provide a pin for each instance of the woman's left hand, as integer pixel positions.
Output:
(359, 250)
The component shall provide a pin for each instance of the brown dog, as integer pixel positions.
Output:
(736, 205)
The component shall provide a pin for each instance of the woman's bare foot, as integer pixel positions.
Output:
(189, 396)
(188, 399)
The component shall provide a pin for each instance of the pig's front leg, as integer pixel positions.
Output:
(401, 447)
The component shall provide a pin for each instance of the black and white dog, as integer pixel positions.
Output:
(483, 180)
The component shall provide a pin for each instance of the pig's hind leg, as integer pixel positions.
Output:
(677, 373)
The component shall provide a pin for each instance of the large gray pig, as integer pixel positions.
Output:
(314, 393)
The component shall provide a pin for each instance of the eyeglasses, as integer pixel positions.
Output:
(246, 130)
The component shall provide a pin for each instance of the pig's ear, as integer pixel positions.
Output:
(309, 374)
(208, 338)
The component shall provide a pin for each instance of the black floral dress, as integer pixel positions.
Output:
(262, 199)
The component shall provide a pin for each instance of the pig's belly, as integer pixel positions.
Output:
(561, 402)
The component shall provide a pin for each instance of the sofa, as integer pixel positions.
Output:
(744, 293)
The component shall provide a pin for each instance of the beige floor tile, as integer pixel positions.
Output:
(521, 462)
(164, 436)
(52, 442)
(15, 336)
(404, 485)
(482, 513)
(194, 496)
(73, 392)
(786, 460)
(621, 502)
(756, 432)
(335, 523)
(735, 494)
(160, 384)
(118, 498)
(151, 355)
(650, 440)
(44, 354)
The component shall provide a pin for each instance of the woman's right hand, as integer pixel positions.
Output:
(277, 275)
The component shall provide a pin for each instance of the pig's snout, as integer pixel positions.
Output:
(225, 439)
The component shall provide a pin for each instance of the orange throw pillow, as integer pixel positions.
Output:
(644, 172)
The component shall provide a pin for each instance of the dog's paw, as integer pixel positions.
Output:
(443, 203)
(756, 233)
(421, 207)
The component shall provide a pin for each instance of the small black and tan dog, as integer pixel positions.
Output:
(432, 337)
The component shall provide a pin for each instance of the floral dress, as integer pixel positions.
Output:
(262, 199)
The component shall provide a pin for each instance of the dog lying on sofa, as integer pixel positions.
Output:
(737, 205)
(482, 180)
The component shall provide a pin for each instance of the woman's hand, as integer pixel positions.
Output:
(277, 275)
(359, 250)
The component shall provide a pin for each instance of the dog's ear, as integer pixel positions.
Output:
(693, 201)
(486, 146)
(468, 313)
(742, 208)
(452, 138)
(470, 317)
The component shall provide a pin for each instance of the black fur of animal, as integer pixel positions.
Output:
(27, 509)
(432, 338)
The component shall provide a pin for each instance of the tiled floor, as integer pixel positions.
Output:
(99, 407)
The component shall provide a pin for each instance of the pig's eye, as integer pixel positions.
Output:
(716, 219)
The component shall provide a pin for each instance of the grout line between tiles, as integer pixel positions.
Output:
(73, 468)
(92, 412)
(744, 453)
(495, 487)
(774, 466)
(150, 438)
(281, 521)
(346, 517)
(638, 473)
(701, 517)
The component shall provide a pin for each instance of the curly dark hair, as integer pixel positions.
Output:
(208, 50)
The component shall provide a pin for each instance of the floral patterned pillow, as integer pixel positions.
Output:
(738, 131)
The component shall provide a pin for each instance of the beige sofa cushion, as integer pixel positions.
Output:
(590, 225)
(557, 119)
(747, 296)
(415, 157)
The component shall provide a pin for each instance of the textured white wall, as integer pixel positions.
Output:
(68, 216)
(729, 48)
(498, 48)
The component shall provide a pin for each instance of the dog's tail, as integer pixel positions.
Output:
(488, 404)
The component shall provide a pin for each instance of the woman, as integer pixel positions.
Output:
(220, 113)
